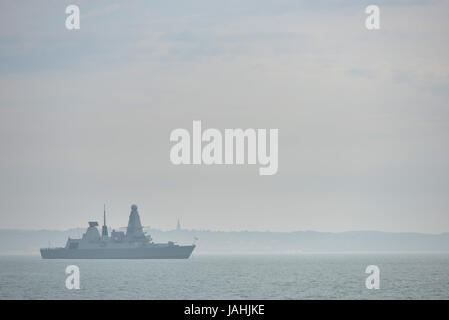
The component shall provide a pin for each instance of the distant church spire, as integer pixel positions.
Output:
(178, 226)
(104, 230)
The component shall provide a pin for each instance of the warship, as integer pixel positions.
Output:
(134, 244)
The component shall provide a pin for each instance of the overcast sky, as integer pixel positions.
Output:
(363, 118)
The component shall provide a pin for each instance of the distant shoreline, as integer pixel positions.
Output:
(250, 242)
(82, 229)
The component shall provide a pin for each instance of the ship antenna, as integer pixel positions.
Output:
(104, 231)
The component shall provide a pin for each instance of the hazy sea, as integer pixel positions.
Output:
(302, 276)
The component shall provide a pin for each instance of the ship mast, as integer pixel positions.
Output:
(104, 230)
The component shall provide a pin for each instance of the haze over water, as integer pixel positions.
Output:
(303, 276)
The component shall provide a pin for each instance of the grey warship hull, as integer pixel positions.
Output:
(168, 252)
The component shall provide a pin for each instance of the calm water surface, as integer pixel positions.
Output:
(304, 276)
